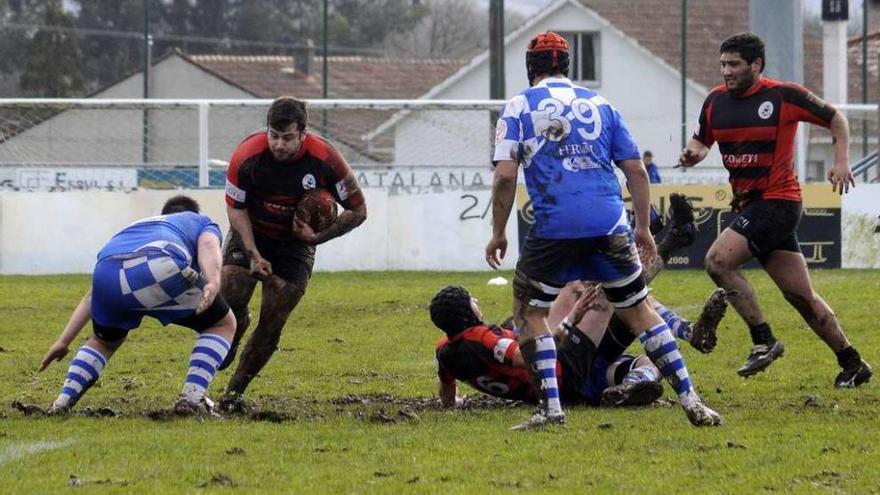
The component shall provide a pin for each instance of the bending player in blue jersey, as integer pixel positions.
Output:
(568, 139)
(166, 267)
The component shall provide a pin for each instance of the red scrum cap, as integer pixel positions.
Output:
(546, 42)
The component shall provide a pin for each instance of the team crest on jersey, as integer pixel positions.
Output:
(765, 110)
(500, 131)
(309, 182)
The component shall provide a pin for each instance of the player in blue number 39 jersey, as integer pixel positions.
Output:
(567, 139)
(166, 267)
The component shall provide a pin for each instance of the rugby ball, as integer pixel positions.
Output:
(317, 207)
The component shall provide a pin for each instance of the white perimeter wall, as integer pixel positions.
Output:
(407, 229)
(47, 233)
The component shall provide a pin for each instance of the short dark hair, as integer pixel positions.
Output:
(179, 204)
(749, 45)
(451, 310)
(647, 153)
(287, 110)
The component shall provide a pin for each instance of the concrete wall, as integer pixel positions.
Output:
(439, 229)
(419, 228)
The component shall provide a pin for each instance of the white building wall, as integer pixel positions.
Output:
(641, 86)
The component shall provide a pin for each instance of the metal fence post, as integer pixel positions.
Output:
(204, 111)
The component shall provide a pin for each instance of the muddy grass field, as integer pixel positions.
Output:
(347, 406)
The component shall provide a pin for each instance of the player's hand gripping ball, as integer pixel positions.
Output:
(317, 208)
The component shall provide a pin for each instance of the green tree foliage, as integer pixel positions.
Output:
(108, 45)
(53, 66)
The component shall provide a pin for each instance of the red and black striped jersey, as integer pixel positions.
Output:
(755, 132)
(270, 189)
(482, 356)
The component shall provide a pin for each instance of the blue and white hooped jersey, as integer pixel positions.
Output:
(567, 138)
(150, 268)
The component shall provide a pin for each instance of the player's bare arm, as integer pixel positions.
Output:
(840, 175)
(239, 220)
(694, 153)
(503, 195)
(81, 315)
(639, 189)
(210, 262)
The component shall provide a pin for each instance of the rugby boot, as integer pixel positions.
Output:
(58, 409)
(632, 394)
(682, 226)
(760, 358)
(700, 414)
(233, 403)
(854, 376)
(704, 332)
(539, 419)
(203, 408)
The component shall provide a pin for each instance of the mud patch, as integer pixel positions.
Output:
(216, 480)
(28, 409)
(76, 481)
(416, 404)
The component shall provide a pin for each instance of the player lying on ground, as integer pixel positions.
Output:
(592, 367)
(166, 267)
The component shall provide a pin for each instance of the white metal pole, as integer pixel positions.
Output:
(204, 111)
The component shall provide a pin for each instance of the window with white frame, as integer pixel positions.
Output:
(583, 57)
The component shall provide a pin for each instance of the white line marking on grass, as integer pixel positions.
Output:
(26, 449)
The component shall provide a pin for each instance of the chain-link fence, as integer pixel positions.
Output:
(156, 144)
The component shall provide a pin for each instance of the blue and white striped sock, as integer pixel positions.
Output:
(545, 363)
(640, 374)
(679, 326)
(83, 372)
(208, 352)
(661, 348)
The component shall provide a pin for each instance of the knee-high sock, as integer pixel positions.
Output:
(208, 352)
(661, 348)
(680, 327)
(540, 356)
(83, 372)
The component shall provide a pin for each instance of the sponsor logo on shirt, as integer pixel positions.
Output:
(735, 161)
(235, 193)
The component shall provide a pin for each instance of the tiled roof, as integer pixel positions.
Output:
(267, 76)
(656, 25)
(349, 77)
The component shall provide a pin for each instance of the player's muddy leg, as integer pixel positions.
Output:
(723, 262)
(789, 271)
(237, 287)
(279, 300)
(530, 307)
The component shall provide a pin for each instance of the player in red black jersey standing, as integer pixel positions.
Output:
(267, 175)
(754, 120)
